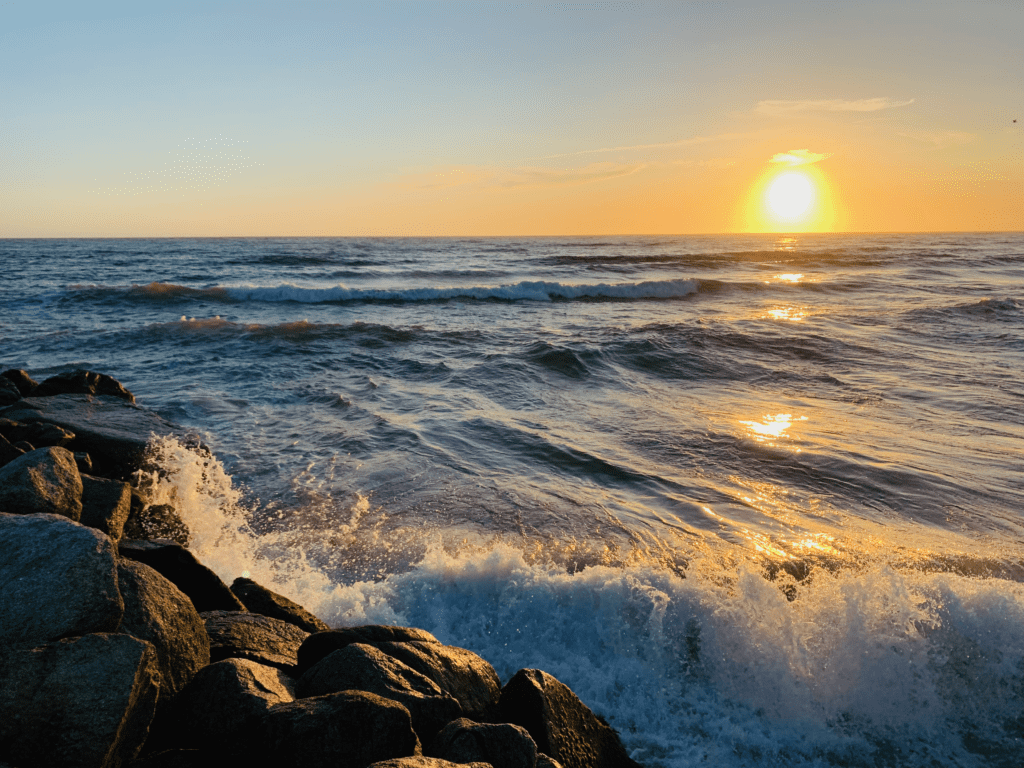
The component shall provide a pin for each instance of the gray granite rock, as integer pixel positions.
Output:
(322, 643)
(43, 481)
(79, 702)
(112, 431)
(244, 635)
(351, 729)
(219, 708)
(562, 726)
(157, 611)
(82, 382)
(105, 505)
(502, 745)
(461, 673)
(21, 380)
(203, 587)
(364, 668)
(57, 578)
(259, 599)
(38, 433)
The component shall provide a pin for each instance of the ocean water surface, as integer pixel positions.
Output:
(759, 500)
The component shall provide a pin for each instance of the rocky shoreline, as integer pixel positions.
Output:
(119, 648)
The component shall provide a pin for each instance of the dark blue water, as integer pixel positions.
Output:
(758, 498)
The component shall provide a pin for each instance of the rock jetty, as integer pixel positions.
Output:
(119, 648)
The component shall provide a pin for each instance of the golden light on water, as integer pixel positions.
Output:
(792, 314)
(790, 277)
(772, 425)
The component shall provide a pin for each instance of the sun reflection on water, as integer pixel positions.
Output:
(793, 314)
(772, 426)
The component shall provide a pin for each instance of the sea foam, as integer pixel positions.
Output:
(867, 666)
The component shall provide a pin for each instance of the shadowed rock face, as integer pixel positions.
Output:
(20, 379)
(350, 729)
(105, 505)
(364, 668)
(112, 431)
(42, 481)
(57, 578)
(175, 563)
(322, 643)
(561, 725)
(502, 745)
(8, 392)
(218, 709)
(259, 599)
(244, 635)
(83, 701)
(82, 382)
(157, 611)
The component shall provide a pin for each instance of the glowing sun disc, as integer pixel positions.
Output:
(790, 195)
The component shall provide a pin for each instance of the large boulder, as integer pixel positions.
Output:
(21, 380)
(244, 635)
(157, 611)
(82, 701)
(38, 433)
(105, 505)
(364, 668)
(57, 578)
(43, 481)
(219, 709)
(561, 725)
(112, 431)
(203, 587)
(322, 643)
(461, 673)
(259, 599)
(502, 745)
(82, 382)
(350, 729)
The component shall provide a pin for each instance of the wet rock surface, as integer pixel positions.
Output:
(322, 643)
(259, 599)
(105, 505)
(203, 587)
(244, 635)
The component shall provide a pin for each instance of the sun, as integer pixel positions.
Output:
(790, 195)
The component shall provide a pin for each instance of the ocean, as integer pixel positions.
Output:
(757, 499)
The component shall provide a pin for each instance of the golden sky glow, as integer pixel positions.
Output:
(425, 118)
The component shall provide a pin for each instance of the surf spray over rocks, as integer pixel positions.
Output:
(122, 651)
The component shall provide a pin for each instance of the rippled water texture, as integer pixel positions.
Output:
(755, 497)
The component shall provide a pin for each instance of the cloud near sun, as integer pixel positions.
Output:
(798, 157)
(780, 107)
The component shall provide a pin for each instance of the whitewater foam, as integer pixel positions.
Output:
(867, 666)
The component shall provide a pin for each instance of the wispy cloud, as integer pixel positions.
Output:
(798, 157)
(490, 178)
(694, 140)
(939, 139)
(779, 107)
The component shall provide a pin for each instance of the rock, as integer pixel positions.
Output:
(222, 704)
(8, 452)
(57, 578)
(244, 635)
(461, 673)
(43, 481)
(105, 505)
(422, 761)
(502, 745)
(157, 611)
(259, 599)
(8, 392)
(350, 729)
(562, 726)
(82, 382)
(41, 435)
(364, 668)
(84, 462)
(543, 761)
(160, 521)
(112, 431)
(21, 380)
(24, 446)
(82, 701)
(322, 643)
(203, 587)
